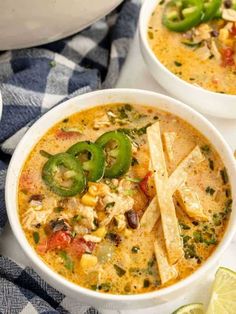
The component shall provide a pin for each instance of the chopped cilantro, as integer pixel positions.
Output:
(210, 190)
(120, 271)
(68, 263)
(146, 283)
(177, 63)
(224, 175)
(211, 164)
(36, 237)
(135, 249)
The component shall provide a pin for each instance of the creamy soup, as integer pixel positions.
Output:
(124, 199)
(203, 55)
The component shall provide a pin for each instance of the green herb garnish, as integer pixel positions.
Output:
(68, 263)
(58, 209)
(135, 249)
(36, 237)
(206, 149)
(211, 164)
(210, 190)
(177, 63)
(184, 226)
(109, 205)
(120, 271)
(224, 175)
(146, 283)
(45, 154)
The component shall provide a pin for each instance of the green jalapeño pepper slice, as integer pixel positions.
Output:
(181, 15)
(210, 8)
(64, 175)
(92, 158)
(118, 153)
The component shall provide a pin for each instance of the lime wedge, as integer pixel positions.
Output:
(223, 299)
(193, 308)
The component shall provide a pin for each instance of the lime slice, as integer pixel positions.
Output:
(193, 308)
(223, 299)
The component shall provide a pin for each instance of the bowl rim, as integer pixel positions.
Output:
(144, 17)
(62, 281)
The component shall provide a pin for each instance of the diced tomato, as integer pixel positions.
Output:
(144, 183)
(79, 246)
(59, 240)
(227, 55)
(66, 135)
(233, 30)
(42, 246)
(91, 245)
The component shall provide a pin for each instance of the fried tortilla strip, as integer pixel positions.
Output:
(195, 157)
(188, 198)
(152, 213)
(167, 271)
(165, 201)
(169, 139)
(150, 216)
(190, 203)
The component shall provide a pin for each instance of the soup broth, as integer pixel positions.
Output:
(107, 237)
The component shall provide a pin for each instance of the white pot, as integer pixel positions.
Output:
(86, 101)
(215, 104)
(26, 23)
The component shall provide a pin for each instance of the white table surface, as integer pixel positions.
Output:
(135, 75)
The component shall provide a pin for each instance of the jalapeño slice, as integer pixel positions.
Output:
(210, 9)
(118, 153)
(181, 15)
(64, 175)
(91, 157)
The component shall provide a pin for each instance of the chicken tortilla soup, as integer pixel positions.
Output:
(124, 199)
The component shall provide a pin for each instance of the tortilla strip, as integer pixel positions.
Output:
(165, 201)
(152, 213)
(150, 216)
(190, 203)
(166, 271)
(195, 157)
(169, 139)
(188, 198)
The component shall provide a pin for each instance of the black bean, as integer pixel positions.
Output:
(228, 4)
(114, 237)
(59, 224)
(132, 218)
(214, 33)
(36, 197)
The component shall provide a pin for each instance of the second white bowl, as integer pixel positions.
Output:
(205, 101)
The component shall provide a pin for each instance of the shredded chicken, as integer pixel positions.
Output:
(92, 238)
(202, 33)
(203, 52)
(214, 50)
(229, 15)
(120, 221)
(35, 215)
(121, 205)
(88, 216)
(101, 122)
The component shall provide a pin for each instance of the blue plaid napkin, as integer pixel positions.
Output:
(31, 82)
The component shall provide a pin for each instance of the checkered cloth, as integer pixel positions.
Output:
(31, 82)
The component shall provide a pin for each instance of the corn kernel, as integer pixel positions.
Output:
(88, 261)
(100, 232)
(224, 34)
(127, 233)
(89, 200)
(98, 189)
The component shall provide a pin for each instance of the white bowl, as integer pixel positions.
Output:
(205, 101)
(27, 23)
(93, 99)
